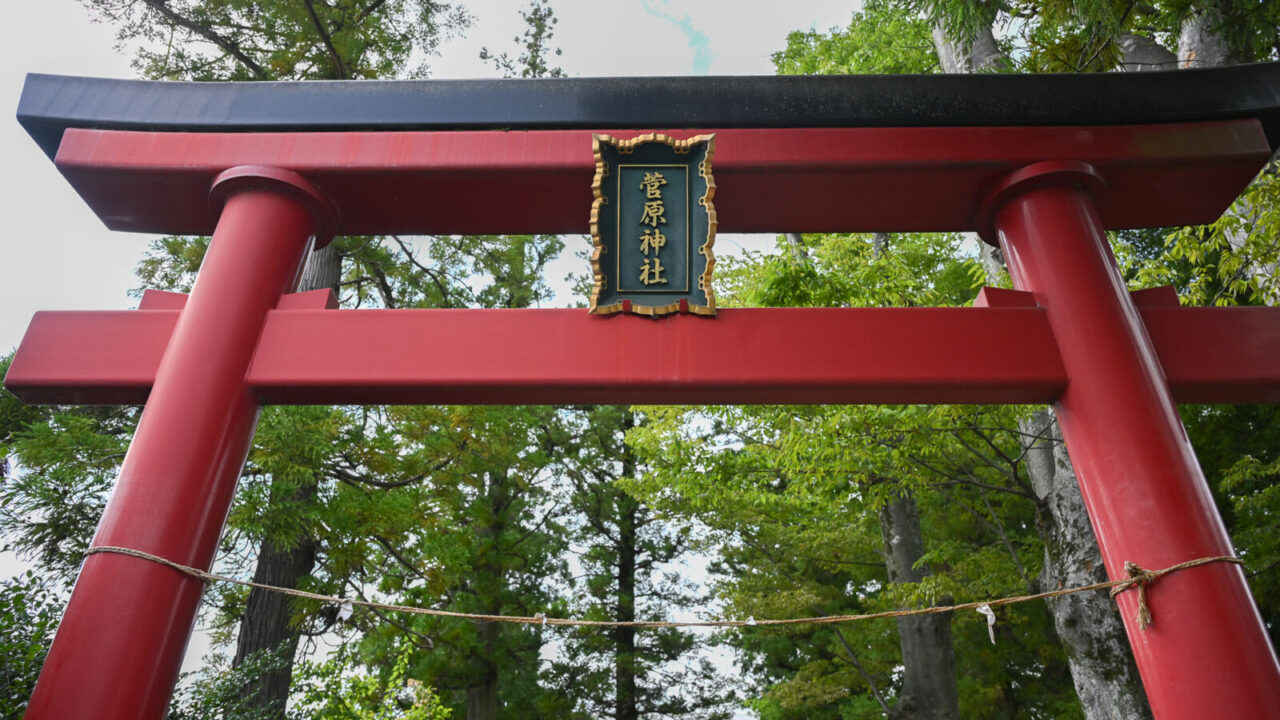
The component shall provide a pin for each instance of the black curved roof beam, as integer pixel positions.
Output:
(50, 103)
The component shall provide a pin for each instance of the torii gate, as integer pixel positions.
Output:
(1039, 164)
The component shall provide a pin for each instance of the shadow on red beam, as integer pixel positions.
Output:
(769, 180)
(800, 356)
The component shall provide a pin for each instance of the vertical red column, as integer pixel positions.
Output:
(1207, 652)
(120, 645)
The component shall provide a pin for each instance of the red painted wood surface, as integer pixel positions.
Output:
(1208, 651)
(792, 180)
(120, 643)
(778, 355)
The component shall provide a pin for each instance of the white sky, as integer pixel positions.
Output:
(55, 255)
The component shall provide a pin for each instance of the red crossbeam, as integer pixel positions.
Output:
(784, 355)
(784, 180)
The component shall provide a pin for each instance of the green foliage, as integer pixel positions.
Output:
(488, 546)
(29, 612)
(880, 38)
(1232, 261)
(1239, 449)
(252, 40)
(792, 496)
(330, 690)
(855, 270)
(1066, 46)
(392, 272)
(627, 565)
(1083, 35)
(171, 263)
(1252, 487)
(535, 50)
(56, 465)
(14, 417)
(217, 690)
(333, 689)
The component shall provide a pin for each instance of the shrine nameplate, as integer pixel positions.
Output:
(653, 225)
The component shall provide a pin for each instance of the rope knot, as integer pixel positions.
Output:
(1139, 575)
(1140, 578)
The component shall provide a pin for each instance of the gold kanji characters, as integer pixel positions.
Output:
(652, 240)
(652, 184)
(651, 272)
(653, 213)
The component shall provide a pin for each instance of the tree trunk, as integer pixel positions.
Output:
(489, 580)
(626, 703)
(979, 54)
(1199, 46)
(1142, 54)
(625, 670)
(1088, 624)
(482, 698)
(266, 623)
(323, 270)
(795, 246)
(929, 666)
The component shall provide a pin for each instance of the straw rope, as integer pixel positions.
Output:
(1138, 577)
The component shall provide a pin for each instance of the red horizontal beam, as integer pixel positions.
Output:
(1218, 355)
(769, 180)
(570, 357)
(794, 355)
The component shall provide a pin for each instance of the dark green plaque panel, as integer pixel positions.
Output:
(653, 225)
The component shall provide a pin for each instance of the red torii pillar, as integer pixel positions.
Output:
(1113, 369)
(120, 644)
(1146, 495)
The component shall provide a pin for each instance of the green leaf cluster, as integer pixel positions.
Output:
(1232, 261)
(306, 40)
(880, 39)
(56, 465)
(628, 565)
(334, 690)
(29, 612)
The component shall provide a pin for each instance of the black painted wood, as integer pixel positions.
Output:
(51, 103)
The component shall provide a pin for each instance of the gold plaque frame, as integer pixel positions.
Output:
(707, 249)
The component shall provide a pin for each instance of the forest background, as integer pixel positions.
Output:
(598, 512)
